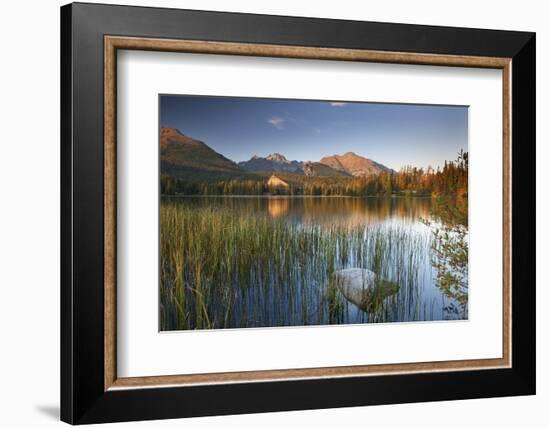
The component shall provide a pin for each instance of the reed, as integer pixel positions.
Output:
(225, 268)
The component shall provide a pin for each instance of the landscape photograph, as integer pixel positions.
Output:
(293, 213)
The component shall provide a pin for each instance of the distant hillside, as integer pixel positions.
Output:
(183, 156)
(354, 164)
(274, 163)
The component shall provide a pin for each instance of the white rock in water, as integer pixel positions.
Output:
(360, 287)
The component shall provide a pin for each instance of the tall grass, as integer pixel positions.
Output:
(223, 268)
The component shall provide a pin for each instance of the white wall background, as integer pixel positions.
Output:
(29, 212)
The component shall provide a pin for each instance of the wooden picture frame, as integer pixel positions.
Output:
(91, 390)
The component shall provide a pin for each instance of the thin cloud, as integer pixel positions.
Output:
(277, 122)
(336, 104)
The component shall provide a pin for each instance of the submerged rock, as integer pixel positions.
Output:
(362, 288)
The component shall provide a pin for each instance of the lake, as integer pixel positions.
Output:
(237, 262)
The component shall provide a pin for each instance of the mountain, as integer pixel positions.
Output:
(181, 155)
(317, 169)
(275, 162)
(354, 164)
(336, 165)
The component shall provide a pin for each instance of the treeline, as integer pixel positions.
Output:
(170, 185)
(451, 180)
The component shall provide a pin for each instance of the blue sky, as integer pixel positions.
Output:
(392, 134)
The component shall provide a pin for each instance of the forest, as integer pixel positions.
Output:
(451, 179)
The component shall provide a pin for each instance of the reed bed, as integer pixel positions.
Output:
(225, 268)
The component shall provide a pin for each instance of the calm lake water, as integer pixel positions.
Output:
(258, 282)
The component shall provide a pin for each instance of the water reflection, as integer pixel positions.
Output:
(268, 261)
(278, 207)
(349, 211)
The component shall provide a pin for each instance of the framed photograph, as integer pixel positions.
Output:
(266, 213)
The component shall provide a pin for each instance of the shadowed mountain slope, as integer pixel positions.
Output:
(181, 155)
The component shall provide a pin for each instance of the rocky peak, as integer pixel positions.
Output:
(277, 157)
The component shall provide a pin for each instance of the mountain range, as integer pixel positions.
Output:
(183, 156)
(274, 162)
